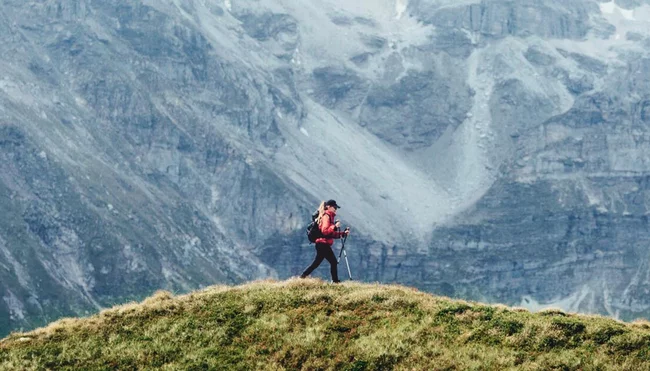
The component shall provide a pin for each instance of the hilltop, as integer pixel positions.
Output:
(310, 324)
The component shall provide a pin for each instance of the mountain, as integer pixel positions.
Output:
(491, 150)
(309, 324)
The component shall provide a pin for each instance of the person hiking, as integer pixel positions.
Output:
(330, 230)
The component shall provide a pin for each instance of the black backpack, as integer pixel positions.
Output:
(313, 231)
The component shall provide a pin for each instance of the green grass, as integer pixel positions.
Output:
(312, 325)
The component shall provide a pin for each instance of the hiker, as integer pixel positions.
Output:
(330, 230)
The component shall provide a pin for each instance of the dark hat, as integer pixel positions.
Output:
(332, 203)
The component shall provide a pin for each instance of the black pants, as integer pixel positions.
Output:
(323, 251)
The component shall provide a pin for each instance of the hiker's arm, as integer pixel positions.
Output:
(328, 228)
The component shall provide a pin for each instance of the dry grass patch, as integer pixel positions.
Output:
(310, 324)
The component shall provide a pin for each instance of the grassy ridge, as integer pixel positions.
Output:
(311, 325)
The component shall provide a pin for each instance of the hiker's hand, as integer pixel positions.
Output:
(346, 231)
(338, 224)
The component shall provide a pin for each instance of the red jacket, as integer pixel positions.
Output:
(327, 228)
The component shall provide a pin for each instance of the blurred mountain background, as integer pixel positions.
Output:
(493, 150)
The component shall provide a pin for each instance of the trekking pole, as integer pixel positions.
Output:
(345, 255)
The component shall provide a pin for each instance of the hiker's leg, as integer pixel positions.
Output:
(329, 255)
(317, 260)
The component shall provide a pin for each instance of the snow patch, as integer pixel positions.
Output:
(304, 131)
(400, 7)
(592, 197)
(16, 307)
(571, 303)
(295, 59)
(612, 8)
(228, 5)
(134, 262)
(215, 195)
(167, 272)
(607, 7)
(80, 101)
(625, 21)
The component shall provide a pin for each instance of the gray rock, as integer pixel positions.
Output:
(586, 63)
(373, 41)
(338, 87)
(498, 19)
(361, 60)
(454, 42)
(634, 36)
(414, 111)
(538, 57)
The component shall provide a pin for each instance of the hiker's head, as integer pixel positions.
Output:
(332, 205)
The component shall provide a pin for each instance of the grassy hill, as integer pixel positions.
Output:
(310, 324)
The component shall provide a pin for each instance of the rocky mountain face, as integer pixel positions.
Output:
(496, 150)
